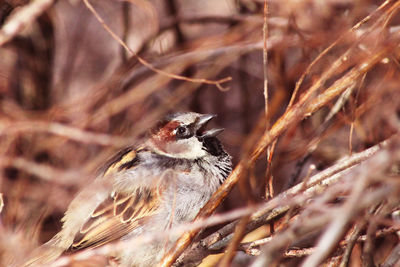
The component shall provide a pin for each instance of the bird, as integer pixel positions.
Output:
(160, 183)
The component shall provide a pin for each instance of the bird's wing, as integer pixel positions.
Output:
(121, 212)
(115, 217)
(125, 159)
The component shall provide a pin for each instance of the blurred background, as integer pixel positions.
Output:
(71, 95)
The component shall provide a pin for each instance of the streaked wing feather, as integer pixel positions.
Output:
(125, 159)
(123, 214)
(120, 213)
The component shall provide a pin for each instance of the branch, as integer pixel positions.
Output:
(22, 18)
(280, 204)
(306, 106)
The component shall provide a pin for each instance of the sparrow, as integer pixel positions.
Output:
(152, 187)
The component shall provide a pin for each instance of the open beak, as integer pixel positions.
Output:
(202, 123)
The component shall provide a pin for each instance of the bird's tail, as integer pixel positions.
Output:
(45, 254)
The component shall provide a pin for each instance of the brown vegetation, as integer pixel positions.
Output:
(307, 91)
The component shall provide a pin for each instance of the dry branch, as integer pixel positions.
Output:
(23, 18)
(294, 197)
(112, 69)
(304, 107)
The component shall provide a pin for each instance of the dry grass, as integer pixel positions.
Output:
(314, 136)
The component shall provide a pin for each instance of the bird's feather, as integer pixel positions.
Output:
(115, 217)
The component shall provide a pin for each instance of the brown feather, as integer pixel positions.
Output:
(115, 217)
(126, 159)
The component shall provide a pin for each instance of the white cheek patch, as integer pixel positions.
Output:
(190, 148)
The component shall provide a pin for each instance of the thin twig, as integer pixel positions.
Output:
(265, 59)
(147, 64)
(1, 202)
(45, 172)
(240, 231)
(22, 18)
(70, 132)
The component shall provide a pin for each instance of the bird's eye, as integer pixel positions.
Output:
(182, 131)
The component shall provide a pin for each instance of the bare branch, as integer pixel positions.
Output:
(24, 17)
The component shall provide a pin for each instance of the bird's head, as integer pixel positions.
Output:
(184, 135)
